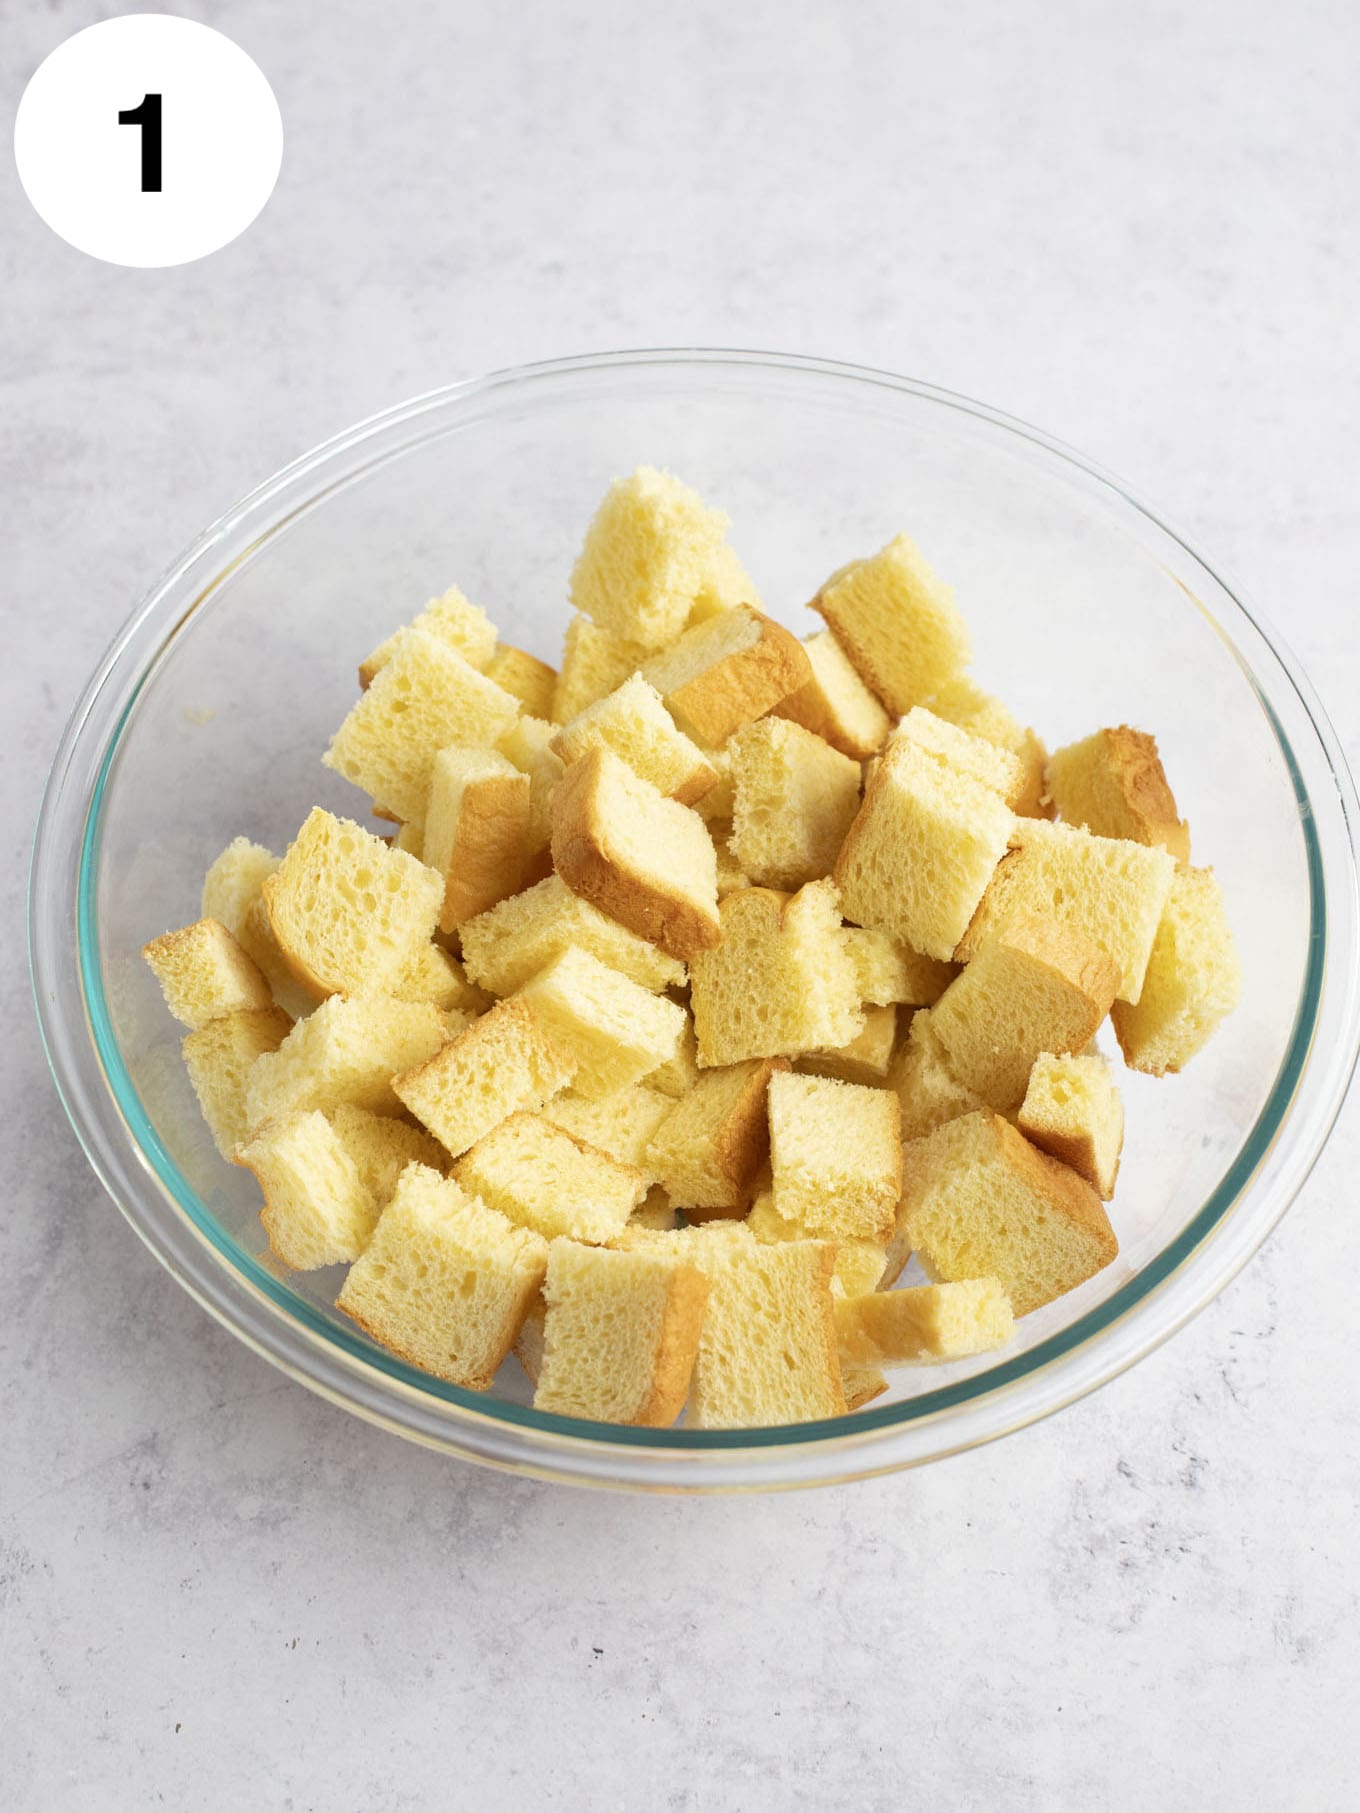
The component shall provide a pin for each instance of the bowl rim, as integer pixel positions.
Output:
(106, 1112)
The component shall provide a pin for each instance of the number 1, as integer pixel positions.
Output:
(148, 117)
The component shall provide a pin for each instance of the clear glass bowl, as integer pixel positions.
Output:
(210, 711)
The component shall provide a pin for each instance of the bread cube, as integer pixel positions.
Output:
(317, 1210)
(1037, 986)
(928, 1092)
(835, 1156)
(204, 973)
(621, 1123)
(978, 1201)
(425, 696)
(1108, 889)
(887, 971)
(861, 1385)
(348, 1051)
(966, 753)
(1114, 784)
(866, 1059)
(678, 1075)
(960, 701)
(921, 851)
(634, 723)
(898, 624)
(450, 619)
(501, 1064)
(725, 585)
(708, 1151)
(731, 875)
(834, 703)
(445, 1282)
(257, 940)
(616, 1030)
(476, 831)
(715, 806)
(926, 1322)
(726, 672)
(1192, 983)
(794, 797)
(524, 677)
(348, 913)
(528, 745)
(780, 983)
(858, 1264)
(503, 948)
(647, 553)
(642, 859)
(544, 1178)
(234, 881)
(220, 1057)
(593, 664)
(620, 1334)
(1072, 1110)
(381, 1148)
(433, 975)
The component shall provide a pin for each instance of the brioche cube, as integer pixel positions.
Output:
(926, 1322)
(861, 1385)
(859, 1262)
(888, 971)
(726, 672)
(1110, 890)
(1037, 986)
(928, 1092)
(204, 973)
(381, 1148)
(960, 701)
(835, 1156)
(528, 746)
(234, 880)
(793, 798)
(616, 1030)
(641, 858)
(1114, 784)
(544, 1178)
(621, 1123)
(501, 1064)
(445, 1282)
(1073, 1111)
(524, 677)
(866, 1059)
(620, 1334)
(1192, 983)
(476, 831)
(503, 948)
(220, 1058)
(317, 1210)
(898, 623)
(647, 553)
(348, 1051)
(594, 663)
(780, 983)
(450, 619)
(834, 703)
(257, 940)
(678, 1075)
(966, 753)
(921, 851)
(433, 975)
(425, 697)
(707, 1152)
(978, 1201)
(348, 913)
(634, 723)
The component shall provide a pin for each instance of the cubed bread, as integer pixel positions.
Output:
(834, 703)
(888, 971)
(793, 799)
(451, 619)
(348, 1051)
(835, 1156)
(234, 880)
(433, 975)
(621, 1123)
(1110, 890)
(978, 1201)
(647, 553)
(593, 664)
(616, 1031)
(220, 1057)
(678, 1075)
(445, 1281)
(708, 1151)
(620, 1335)
(634, 723)
(726, 584)
(866, 1059)
(858, 1264)
(348, 913)
(501, 1064)
(317, 1210)
(731, 875)
(257, 940)
(524, 677)
(921, 851)
(966, 753)
(1114, 784)
(924, 1322)
(726, 672)
(502, 949)
(1073, 1111)
(528, 745)
(928, 1092)
(780, 983)
(204, 973)
(960, 701)
(1192, 983)
(425, 697)
(544, 1178)
(641, 858)
(898, 623)
(382, 1147)
(716, 805)
(476, 831)
(861, 1385)
(1036, 986)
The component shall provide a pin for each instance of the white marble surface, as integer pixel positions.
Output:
(1135, 226)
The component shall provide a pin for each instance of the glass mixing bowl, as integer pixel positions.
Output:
(208, 715)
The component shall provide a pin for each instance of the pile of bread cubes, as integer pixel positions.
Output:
(696, 986)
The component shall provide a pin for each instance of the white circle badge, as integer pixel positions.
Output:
(148, 140)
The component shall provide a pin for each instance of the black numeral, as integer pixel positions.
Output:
(148, 117)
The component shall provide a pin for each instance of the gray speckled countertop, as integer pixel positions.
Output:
(1134, 226)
